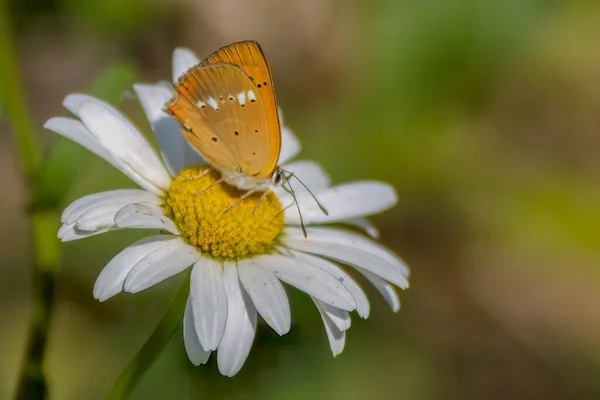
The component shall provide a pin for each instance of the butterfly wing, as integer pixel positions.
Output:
(224, 117)
(249, 57)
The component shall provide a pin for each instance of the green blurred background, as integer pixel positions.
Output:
(485, 116)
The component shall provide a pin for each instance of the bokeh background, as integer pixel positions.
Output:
(485, 116)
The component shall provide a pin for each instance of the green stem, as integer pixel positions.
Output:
(44, 222)
(142, 361)
(32, 383)
(14, 100)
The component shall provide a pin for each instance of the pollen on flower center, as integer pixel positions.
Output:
(204, 217)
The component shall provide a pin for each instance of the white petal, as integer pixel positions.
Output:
(65, 230)
(290, 146)
(77, 132)
(310, 173)
(351, 249)
(183, 59)
(160, 264)
(123, 140)
(174, 148)
(70, 232)
(364, 224)
(337, 338)
(356, 240)
(166, 129)
(311, 280)
(386, 289)
(123, 197)
(266, 293)
(98, 217)
(193, 349)
(241, 325)
(111, 279)
(141, 216)
(191, 157)
(72, 102)
(209, 302)
(362, 303)
(340, 318)
(345, 201)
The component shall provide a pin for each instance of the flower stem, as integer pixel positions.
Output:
(32, 383)
(47, 254)
(14, 100)
(161, 335)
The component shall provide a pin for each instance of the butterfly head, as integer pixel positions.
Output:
(278, 177)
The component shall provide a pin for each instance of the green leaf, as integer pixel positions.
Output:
(115, 82)
(2, 104)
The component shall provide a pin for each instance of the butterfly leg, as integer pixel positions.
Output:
(208, 187)
(238, 201)
(260, 201)
(282, 210)
(206, 171)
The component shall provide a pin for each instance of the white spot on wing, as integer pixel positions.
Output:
(241, 98)
(251, 95)
(213, 103)
(201, 104)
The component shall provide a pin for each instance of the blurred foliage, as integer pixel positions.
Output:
(118, 18)
(2, 104)
(429, 64)
(115, 16)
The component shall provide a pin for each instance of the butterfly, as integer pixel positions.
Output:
(228, 112)
(227, 108)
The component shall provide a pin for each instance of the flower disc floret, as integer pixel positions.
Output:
(212, 218)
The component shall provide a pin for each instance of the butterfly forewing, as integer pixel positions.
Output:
(224, 117)
(249, 57)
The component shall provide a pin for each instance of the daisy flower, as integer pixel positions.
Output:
(238, 258)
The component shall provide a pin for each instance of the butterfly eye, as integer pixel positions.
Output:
(277, 178)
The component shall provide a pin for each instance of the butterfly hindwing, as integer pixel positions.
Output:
(224, 117)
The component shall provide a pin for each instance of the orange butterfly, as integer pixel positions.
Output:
(227, 108)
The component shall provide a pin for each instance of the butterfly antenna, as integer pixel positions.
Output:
(323, 209)
(285, 179)
(290, 191)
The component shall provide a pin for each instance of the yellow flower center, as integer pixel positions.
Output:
(212, 218)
